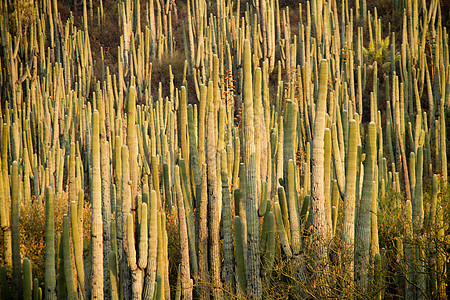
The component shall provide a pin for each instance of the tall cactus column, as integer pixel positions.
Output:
(137, 264)
(228, 247)
(106, 187)
(16, 261)
(77, 241)
(362, 234)
(317, 208)
(443, 146)
(149, 280)
(132, 144)
(348, 224)
(253, 259)
(97, 225)
(5, 202)
(184, 244)
(214, 249)
(50, 272)
(203, 238)
(126, 209)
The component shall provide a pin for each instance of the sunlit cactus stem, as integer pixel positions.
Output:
(150, 275)
(137, 265)
(37, 290)
(253, 261)
(184, 244)
(348, 231)
(213, 203)
(241, 280)
(77, 242)
(363, 219)
(5, 217)
(70, 281)
(113, 267)
(15, 230)
(228, 267)
(97, 226)
(320, 229)
(50, 272)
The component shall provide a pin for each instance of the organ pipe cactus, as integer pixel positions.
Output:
(362, 233)
(228, 268)
(185, 269)
(348, 232)
(37, 291)
(50, 272)
(15, 232)
(62, 122)
(317, 204)
(97, 226)
(4, 281)
(5, 218)
(294, 221)
(281, 231)
(194, 157)
(189, 218)
(112, 263)
(137, 265)
(213, 204)
(27, 279)
(203, 237)
(132, 144)
(77, 242)
(105, 169)
(253, 261)
(327, 176)
(150, 274)
(68, 274)
(240, 268)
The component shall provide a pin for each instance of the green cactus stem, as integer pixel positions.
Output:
(320, 230)
(68, 273)
(97, 224)
(50, 272)
(27, 280)
(15, 233)
(184, 244)
(362, 234)
(5, 292)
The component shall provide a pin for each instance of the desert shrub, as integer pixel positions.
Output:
(32, 229)
(22, 15)
(160, 74)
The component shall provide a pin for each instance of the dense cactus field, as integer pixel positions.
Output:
(225, 150)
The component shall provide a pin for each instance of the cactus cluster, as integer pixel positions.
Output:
(265, 183)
